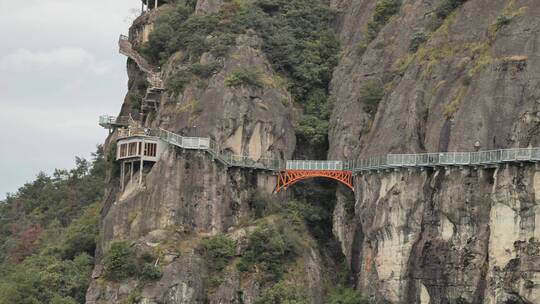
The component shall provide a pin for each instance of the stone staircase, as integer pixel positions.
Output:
(153, 76)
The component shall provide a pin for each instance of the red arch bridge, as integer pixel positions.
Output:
(296, 171)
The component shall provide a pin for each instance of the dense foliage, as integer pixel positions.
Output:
(218, 252)
(283, 293)
(384, 10)
(296, 38)
(269, 249)
(417, 40)
(371, 93)
(446, 7)
(343, 295)
(121, 262)
(244, 76)
(48, 233)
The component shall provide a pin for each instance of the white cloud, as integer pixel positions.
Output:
(22, 60)
(76, 16)
(60, 69)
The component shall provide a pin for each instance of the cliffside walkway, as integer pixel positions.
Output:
(291, 171)
(153, 75)
(480, 159)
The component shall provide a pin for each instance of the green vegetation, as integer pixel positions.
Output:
(313, 129)
(343, 295)
(244, 76)
(178, 81)
(417, 40)
(48, 233)
(120, 262)
(204, 70)
(296, 38)
(282, 293)
(446, 7)
(384, 10)
(137, 89)
(218, 252)
(268, 249)
(44, 278)
(370, 96)
(502, 21)
(451, 108)
(150, 272)
(285, 232)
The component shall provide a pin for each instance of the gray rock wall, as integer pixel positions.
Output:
(452, 236)
(446, 236)
(187, 196)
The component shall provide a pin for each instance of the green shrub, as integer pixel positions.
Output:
(61, 300)
(283, 293)
(313, 129)
(204, 70)
(215, 280)
(418, 39)
(303, 210)
(82, 234)
(446, 7)
(269, 249)
(343, 295)
(150, 272)
(218, 252)
(120, 262)
(261, 203)
(384, 10)
(370, 96)
(502, 21)
(178, 81)
(244, 76)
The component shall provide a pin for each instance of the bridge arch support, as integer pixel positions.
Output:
(288, 178)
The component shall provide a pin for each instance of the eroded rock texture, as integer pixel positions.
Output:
(455, 235)
(448, 236)
(187, 196)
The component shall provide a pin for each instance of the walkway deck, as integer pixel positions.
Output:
(111, 122)
(480, 159)
(391, 161)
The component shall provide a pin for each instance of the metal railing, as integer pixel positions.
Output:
(131, 132)
(443, 159)
(209, 145)
(107, 121)
(317, 165)
(390, 161)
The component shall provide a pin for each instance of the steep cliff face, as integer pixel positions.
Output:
(447, 236)
(187, 197)
(413, 76)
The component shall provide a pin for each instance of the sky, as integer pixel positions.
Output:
(59, 70)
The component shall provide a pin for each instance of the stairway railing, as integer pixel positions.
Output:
(389, 161)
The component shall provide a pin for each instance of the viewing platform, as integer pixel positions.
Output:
(112, 122)
(139, 144)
